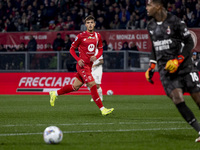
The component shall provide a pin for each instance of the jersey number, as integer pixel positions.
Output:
(194, 76)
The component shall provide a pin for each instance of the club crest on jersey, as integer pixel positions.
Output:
(91, 37)
(168, 30)
(91, 47)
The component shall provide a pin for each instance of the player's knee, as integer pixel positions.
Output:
(91, 84)
(176, 97)
(76, 87)
(98, 86)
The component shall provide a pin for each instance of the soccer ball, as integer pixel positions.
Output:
(52, 135)
(109, 92)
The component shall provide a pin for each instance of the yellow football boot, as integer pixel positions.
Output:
(106, 111)
(53, 97)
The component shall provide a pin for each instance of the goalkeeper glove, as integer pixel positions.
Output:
(173, 64)
(150, 71)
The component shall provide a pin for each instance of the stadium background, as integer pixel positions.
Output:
(120, 22)
(139, 122)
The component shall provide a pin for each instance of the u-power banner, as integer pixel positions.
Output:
(121, 83)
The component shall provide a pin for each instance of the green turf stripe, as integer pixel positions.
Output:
(100, 131)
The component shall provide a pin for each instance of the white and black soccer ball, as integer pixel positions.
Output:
(109, 92)
(52, 135)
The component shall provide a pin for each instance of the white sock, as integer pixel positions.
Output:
(99, 90)
(88, 88)
(102, 108)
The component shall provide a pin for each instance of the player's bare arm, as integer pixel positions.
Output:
(100, 63)
(81, 63)
(93, 58)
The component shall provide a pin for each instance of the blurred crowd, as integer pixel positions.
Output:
(61, 15)
(47, 57)
(50, 15)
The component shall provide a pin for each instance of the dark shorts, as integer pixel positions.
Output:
(84, 74)
(188, 82)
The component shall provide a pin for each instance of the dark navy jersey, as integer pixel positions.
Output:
(170, 38)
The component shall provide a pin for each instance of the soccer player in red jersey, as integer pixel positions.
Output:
(87, 42)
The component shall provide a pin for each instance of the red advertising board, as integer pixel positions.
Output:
(114, 37)
(121, 83)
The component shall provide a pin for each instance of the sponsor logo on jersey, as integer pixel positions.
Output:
(162, 44)
(84, 39)
(91, 47)
(91, 37)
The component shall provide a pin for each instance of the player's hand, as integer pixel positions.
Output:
(173, 64)
(81, 63)
(149, 73)
(93, 58)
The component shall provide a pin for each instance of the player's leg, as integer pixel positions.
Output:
(86, 75)
(99, 90)
(97, 99)
(66, 89)
(194, 89)
(177, 97)
(95, 96)
(97, 75)
(196, 97)
(192, 82)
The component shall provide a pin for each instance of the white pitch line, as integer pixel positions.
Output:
(86, 124)
(98, 131)
(17, 134)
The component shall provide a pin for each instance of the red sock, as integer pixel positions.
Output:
(95, 96)
(65, 89)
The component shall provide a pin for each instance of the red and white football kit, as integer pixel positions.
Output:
(87, 44)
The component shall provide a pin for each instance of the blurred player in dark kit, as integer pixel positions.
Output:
(174, 62)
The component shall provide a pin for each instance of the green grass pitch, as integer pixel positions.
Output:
(138, 123)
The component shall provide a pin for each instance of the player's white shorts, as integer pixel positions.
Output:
(97, 74)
